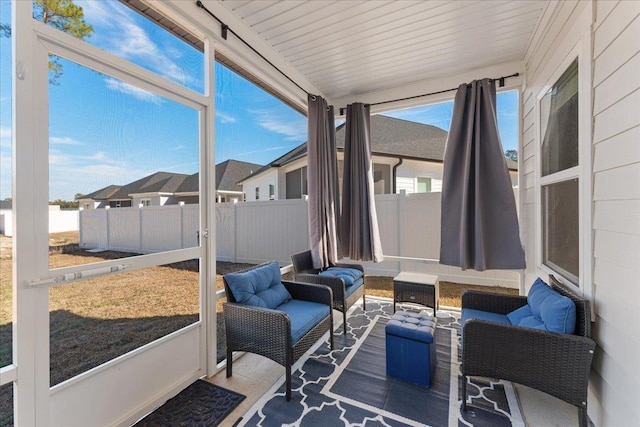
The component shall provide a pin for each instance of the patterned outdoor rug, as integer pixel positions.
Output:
(349, 386)
(200, 404)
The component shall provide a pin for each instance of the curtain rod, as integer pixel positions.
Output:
(500, 79)
(226, 29)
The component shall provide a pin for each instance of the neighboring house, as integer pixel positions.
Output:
(406, 156)
(166, 188)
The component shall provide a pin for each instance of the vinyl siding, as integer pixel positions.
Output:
(615, 174)
(616, 208)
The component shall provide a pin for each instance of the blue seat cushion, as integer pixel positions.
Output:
(557, 312)
(304, 316)
(414, 326)
(348, 290)
(351, 276)
(259, 287)
(470, 313)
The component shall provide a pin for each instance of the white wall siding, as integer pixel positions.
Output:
(616, 203)
(615, 174)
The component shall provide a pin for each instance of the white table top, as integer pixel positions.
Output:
(417, 278)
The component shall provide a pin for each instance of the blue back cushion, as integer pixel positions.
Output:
(555, 311)
(259, 287)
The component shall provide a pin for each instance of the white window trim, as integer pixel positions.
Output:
(581, 51)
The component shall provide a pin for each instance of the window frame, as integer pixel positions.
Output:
(582, 172)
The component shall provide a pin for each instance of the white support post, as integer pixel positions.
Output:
(402, 219)
(30, 225)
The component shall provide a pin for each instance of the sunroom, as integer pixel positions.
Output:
(157, 96)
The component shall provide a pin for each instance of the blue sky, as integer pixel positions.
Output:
(103, 131)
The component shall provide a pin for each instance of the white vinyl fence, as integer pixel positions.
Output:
(59, 220)
(255, 232)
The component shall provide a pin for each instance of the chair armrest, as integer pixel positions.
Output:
(335, 283)
(558, 364)
(309, 292)
(492, 302)
(251, 328)
(349, 265)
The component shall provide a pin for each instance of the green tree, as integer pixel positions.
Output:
(65, 16)
(78, 196)
(511, 155)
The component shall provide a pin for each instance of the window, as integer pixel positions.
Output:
(381, 182)
(560, 176)
(424, 185)
(145, 202)
(296, 183)
(272, 192)
(257, 193)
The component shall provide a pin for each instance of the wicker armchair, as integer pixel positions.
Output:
(267, 332)
(554, 363)
(304, 272)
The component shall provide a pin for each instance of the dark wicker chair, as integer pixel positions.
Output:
(268, 332)
(304, 272)
(557, 364)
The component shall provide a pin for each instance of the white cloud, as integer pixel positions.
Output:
(5, 138)
(293, 130)
(264, 150)
(179, 147)
(65, 140)
(225, 118)
(128, 89)
(5, 175)
(121, 35)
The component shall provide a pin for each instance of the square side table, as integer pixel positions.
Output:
(417, 288)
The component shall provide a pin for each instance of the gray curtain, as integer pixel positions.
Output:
(322, 181)
(360, 236)
(479, 225)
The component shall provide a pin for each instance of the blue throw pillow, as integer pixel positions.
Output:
(557, 312)
(524, 317)
(259, 287)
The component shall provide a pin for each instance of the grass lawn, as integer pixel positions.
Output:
(96, 320)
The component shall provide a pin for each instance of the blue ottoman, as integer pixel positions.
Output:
(411, 351)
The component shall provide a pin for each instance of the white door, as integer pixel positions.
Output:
(100, 336)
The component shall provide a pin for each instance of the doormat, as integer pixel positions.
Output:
(200, 404)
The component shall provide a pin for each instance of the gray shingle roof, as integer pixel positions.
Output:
(102, 194)
(230, 172)
(390, 137)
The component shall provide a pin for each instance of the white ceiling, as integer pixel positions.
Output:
(356, 47)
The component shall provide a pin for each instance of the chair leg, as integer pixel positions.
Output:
(364, 303)
(583, 418)
(288, 369)
(331, 338)
(344, 322)
(464, 394)
(229, 363)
